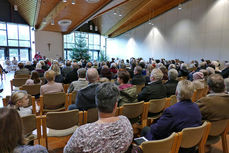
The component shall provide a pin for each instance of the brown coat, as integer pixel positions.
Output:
(214, 107)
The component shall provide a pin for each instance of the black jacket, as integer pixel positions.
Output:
(138, 79)
(225, 73)
(71, 76)
(85, 98)
(155, 90)
(171, 86)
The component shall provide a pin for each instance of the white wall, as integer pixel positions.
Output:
(43, 38)
(199, 30)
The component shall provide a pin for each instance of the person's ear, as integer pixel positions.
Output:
(19, 103)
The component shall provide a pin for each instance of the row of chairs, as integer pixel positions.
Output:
(190, 137)
(199, 93)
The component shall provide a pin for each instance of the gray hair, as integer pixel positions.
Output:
(81, 73)
(184, 90)
(92, 75)
(172, 74)
(156, 74)
(216, 83)
(226, 82)
(106, 96)
(172, 66)
(138, 70)
(210, 70)
(184, 66)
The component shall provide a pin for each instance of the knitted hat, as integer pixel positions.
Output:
(198, 75)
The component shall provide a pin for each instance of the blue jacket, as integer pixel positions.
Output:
(175, 118)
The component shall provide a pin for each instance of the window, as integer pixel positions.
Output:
(15, 39)
(95, 43)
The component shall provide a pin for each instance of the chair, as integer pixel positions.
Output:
(219, 129)
(205, 92)
(156, 106)
(139, 88)
(136, 112)
(31, 123)
(91, 115)
(17, 82)
(182, 78)
(173, 100)
(72, 98)
(31, 102)
(53, 102)
(66, 86)
(31, 89)
(61, 124)
(198, 93)
(191, 137)
(22, 76)
(167, 145)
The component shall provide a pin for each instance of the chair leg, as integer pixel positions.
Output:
(224, 144)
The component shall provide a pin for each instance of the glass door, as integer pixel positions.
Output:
(13, 52)
(24, 54)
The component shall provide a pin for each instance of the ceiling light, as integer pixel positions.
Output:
(120, 14)
(64, 1)
(73, 2)
(52, 22)
(15, 8)
(92, 1)
(65, 23)
(96, 28)
(115, 12)
(44, 21)
(180, 6)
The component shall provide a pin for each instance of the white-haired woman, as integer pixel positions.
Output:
(171, 84)
(181, 115)
(39, 69)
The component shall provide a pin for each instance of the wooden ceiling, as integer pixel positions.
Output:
(133, 13)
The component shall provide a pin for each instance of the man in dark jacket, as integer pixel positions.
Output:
(67, 69)
(171, 84)
(85, 98)
(73, 75)
(225, 72)
(155, 90)
(138, 77)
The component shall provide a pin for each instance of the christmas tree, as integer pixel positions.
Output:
(80, 50)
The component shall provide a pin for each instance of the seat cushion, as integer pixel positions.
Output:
(61, 133)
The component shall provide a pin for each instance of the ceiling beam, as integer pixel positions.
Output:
(145, 18)
(110, 9)
(54, 12)
(127, 17)
(38, 5)
(87, 18)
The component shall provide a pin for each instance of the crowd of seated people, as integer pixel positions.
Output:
(161, 79)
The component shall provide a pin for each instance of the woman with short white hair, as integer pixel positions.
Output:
(171, 84)
(183, 114)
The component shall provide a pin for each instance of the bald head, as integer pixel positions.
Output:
(92, 75)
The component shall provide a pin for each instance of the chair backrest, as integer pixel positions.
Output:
(22, 76)
(218, 127)
(17, 82)
(66, 86)
(31, 123)
(139, 88)
(173, 100)
(63, 120)
(132, 110)
(194, 135)
(194, 96)
(205, 92)
(32, 89)
(199, 93)
(54, 100)
(167, 145)
(157, 105)
(91, 115)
